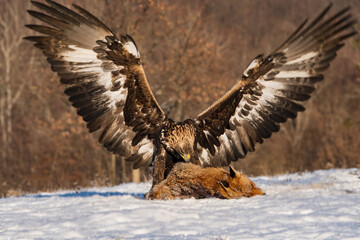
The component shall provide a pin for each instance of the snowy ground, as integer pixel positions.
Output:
(320, 205)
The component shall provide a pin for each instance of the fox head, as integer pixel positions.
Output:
(237, 185)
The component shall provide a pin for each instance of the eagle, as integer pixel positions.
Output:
(105, 81)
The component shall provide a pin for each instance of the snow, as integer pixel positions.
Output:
(324, 204)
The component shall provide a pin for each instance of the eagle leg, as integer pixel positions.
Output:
(163, 164)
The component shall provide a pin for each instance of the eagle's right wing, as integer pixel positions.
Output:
(103, 78)
(271, 90)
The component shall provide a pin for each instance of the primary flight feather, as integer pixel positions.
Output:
(105, 81)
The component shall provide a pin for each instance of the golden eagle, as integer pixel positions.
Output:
(105, 81)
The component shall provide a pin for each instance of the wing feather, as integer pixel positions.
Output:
(103, 79)
(271, 90)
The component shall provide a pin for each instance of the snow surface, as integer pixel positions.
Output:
(321, 205)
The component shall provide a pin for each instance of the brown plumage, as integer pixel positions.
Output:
(106, 83)
(187, 180)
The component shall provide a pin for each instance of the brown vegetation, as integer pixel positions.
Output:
(193, 52)
(187, 180)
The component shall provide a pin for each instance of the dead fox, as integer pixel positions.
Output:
(187, 180)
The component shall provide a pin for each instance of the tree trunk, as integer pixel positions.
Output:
(136, 175)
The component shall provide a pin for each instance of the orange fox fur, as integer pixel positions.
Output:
(187, 180)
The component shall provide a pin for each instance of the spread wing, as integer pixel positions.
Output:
(103, 78)
(271, 90)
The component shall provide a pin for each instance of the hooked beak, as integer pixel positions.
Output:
(186, 157)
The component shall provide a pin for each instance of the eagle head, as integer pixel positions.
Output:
(178, 140)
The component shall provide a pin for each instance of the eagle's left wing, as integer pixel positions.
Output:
(271, 90)
(103, 78)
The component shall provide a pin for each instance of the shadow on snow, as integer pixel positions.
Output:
(88, 194)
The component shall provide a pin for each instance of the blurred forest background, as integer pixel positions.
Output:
(194, 51)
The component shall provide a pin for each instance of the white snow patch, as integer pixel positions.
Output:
(319, 205)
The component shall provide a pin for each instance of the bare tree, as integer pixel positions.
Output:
(11, 86)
